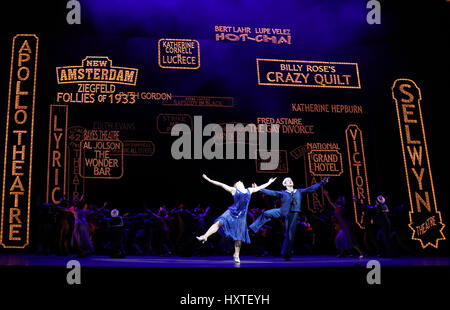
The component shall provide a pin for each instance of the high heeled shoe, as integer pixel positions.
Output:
(236, 259)
(202, 239)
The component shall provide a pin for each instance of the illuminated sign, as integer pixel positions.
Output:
(57, 153)
(325, 159)
(179, 54)
(165, 121)
(425, 219)
(106, 125)
(298, 152)
(96, 81)
(18, 159)
(201, 101)
(101, 155)
(94, 97)
(96, 69)
(257, 34)
(300, 73)
(138, 148)
(288, 125)
(326, 108)
(154, 96)
(358, 172)
(315, 200)
(76, 182)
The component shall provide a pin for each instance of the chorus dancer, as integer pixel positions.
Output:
(346, 238)
(233, 222)
(291, 200)
(380, 214)
(80, 236)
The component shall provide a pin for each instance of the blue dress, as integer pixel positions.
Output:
(234, 220)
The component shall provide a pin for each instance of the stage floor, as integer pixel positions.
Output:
(168, 279)
(219, 261)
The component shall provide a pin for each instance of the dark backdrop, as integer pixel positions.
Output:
(411, 42)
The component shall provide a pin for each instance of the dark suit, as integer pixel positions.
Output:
(380, 231)
(290, 207)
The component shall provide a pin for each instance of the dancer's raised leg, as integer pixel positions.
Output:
(264, 218)
(213, 229)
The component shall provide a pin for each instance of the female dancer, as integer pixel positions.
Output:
(233, 222)
(346, 238)
(80, 235)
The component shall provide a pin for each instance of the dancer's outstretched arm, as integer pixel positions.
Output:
(104, 205)
(206, 211)
(260, 187)
(63, 209)
(229, 189)
(150, 212)
(325, 193)
(269, 192)
(316, 186)
(360, 204)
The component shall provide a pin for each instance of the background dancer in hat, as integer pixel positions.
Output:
(380, 214)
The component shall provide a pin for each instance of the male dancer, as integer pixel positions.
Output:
(380, 214)
(291, 200)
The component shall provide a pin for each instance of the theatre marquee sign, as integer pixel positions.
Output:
(18, 156)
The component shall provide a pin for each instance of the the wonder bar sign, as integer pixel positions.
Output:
(17, 166)
(425, 219)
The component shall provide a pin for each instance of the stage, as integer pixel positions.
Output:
(172, 280)
(310, 261)
(135, 126)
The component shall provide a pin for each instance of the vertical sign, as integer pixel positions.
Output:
(76, 184)
(317, 202)
(358, 171)
(18, 157)
(425, 219)
(57, 153)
